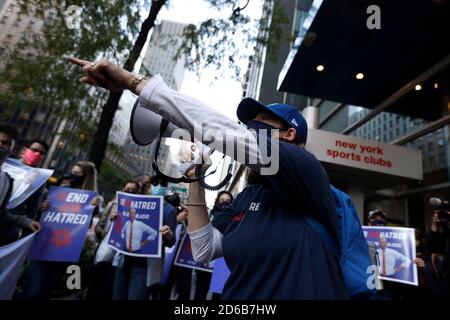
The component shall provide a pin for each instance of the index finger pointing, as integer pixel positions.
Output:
(78, 62)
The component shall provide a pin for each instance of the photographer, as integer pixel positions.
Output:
(438, 245)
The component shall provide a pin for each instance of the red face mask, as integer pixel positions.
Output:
(32, 158)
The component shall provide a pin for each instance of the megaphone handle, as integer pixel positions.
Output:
(201, 180)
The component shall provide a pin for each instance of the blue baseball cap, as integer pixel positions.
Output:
(249, 108)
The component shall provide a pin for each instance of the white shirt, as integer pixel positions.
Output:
(139, 229)
(391, 259)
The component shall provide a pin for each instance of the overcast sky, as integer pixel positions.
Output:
(224, 94)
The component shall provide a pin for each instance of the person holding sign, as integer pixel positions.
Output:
(102, 275)
(8, 135)
(32, 155)
(139, 258)
(43, 276)
(270, 245)
(133, 232)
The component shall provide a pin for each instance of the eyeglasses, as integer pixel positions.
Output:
(41, 152)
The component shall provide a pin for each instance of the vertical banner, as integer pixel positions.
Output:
(135, 231)
(169, 257)
(184, 257)
(396, 252)
(220, 276)
(26, 180)
(64, 225)
(12, 257)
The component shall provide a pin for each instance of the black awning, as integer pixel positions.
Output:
(414, 36)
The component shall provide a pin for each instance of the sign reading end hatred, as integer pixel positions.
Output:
(64, 225)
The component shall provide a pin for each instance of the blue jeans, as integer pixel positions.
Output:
(130, 281)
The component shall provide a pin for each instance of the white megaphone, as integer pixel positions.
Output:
(145, 125)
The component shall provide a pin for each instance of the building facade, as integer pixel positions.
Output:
(401, 123)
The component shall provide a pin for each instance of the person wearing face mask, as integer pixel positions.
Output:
(222, 203)
(31, 155)
(10, 222)
(272, 245)
(137, 278)
(268, 243)
(102, 282)
(34, 153)
(44, 276)
(377, 218)
(159, 189)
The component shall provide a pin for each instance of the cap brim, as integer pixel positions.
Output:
(248, 109)
(377, 214)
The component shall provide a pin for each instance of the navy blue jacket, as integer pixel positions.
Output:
(272, 252)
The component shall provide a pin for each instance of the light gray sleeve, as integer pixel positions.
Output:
(203, 123)
(206, 243)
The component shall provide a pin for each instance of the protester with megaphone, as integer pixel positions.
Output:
(270, 245)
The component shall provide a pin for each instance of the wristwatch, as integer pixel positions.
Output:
(135, 81)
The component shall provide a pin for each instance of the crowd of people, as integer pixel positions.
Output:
(121, 277)
(110, 275)
(282, 237)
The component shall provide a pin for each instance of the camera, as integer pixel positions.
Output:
(443, 216)
(441, 208)
(174, 200)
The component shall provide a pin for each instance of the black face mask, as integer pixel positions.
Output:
(222, 205)
(258, 125)
(75, 181)
(378, 223)
(4, 153)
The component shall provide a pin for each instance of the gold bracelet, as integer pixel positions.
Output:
(135, 82)
(197, 204)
